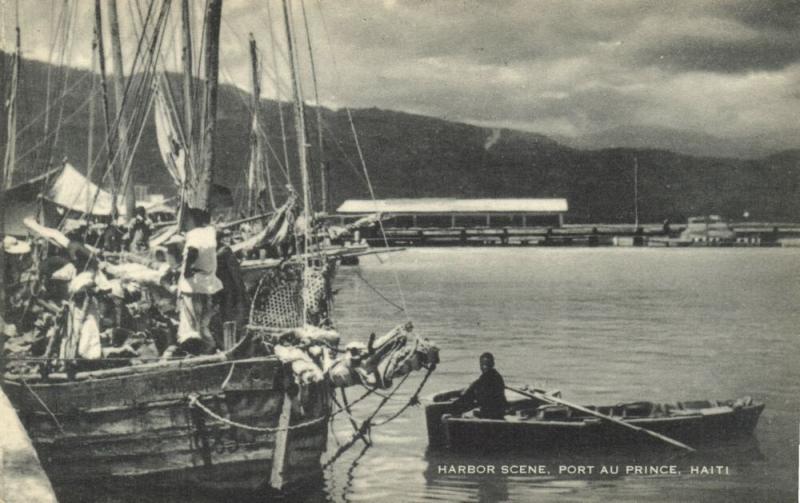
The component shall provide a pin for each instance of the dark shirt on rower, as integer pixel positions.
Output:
(487, 393)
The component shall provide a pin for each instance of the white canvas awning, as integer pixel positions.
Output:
(73, 191)
(65, 188)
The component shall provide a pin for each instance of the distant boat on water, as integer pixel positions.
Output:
(709, 230)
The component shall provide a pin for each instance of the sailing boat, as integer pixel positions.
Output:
(254, 415)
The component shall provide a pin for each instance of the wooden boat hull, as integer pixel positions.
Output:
(584, 433)
(143, 424)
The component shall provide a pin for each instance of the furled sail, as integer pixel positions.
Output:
(277, 230)
(170, 144)
(256, 171)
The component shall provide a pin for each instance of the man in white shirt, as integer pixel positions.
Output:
(198, 283)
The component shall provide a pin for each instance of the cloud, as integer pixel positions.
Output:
(723, 67)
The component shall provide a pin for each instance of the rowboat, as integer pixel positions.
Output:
(538, 425)
(255, 414)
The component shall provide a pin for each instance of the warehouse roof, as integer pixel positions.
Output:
(453, 205)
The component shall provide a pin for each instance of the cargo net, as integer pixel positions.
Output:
(280, 297)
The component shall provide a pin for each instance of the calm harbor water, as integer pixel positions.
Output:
(602, 325)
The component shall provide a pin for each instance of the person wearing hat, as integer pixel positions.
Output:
(232, 299)
(111, 238)
(18, 259)
(140, 230)
(487, 393)
(82, 337)
(198, 283)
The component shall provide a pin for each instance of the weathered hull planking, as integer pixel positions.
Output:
(141, 423)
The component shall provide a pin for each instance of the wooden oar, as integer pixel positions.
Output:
(561, 401)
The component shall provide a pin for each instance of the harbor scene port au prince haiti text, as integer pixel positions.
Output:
(290, 250)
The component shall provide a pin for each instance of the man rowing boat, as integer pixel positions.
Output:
(487, 393)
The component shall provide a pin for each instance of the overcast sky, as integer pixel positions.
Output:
(726, 68)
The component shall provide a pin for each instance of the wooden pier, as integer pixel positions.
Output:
(764, 234)
(22, 478)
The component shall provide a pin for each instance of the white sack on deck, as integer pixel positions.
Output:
(137, 272)
(305, 370)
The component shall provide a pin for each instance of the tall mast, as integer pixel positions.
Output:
(98, 30)
(206, 174)
(255, 157)
(3, 134)
(90, 142)
(11, 113)
(299, 124)
(126, 178)
(188, 101)
(636, 192)
(323, 182)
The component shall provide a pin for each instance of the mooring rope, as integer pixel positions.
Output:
(194, 401)
(414, 400)
(365, 429)
(378, 293)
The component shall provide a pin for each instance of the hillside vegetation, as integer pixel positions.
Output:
(416, 156)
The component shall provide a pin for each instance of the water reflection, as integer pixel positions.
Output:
(601, 325)
(486, 476)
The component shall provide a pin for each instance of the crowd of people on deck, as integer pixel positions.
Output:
(101, 294)
(106, 296)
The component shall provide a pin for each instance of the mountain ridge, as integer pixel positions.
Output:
(410, 155)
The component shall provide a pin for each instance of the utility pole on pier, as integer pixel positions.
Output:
(636, 192)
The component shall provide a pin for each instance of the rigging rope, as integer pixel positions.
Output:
(361, 158)
(44, 405)
(55, 28)
(40, 115)
(281, 119)
(3, 26)
(364, 429)
(362, 278)
(66, 54)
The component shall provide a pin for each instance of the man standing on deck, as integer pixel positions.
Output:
(198, 283)
(487, 393)
(233, 301)
(140, 230)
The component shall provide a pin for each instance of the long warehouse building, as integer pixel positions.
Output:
(459, 213)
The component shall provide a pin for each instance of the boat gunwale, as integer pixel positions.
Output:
(145, 369)
(583, 421)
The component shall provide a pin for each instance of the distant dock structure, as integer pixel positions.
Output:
(540, 222)
(453, 221)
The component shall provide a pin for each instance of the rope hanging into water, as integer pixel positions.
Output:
(389, 301)
(365, 430)
(347, 411)
(414, 400)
